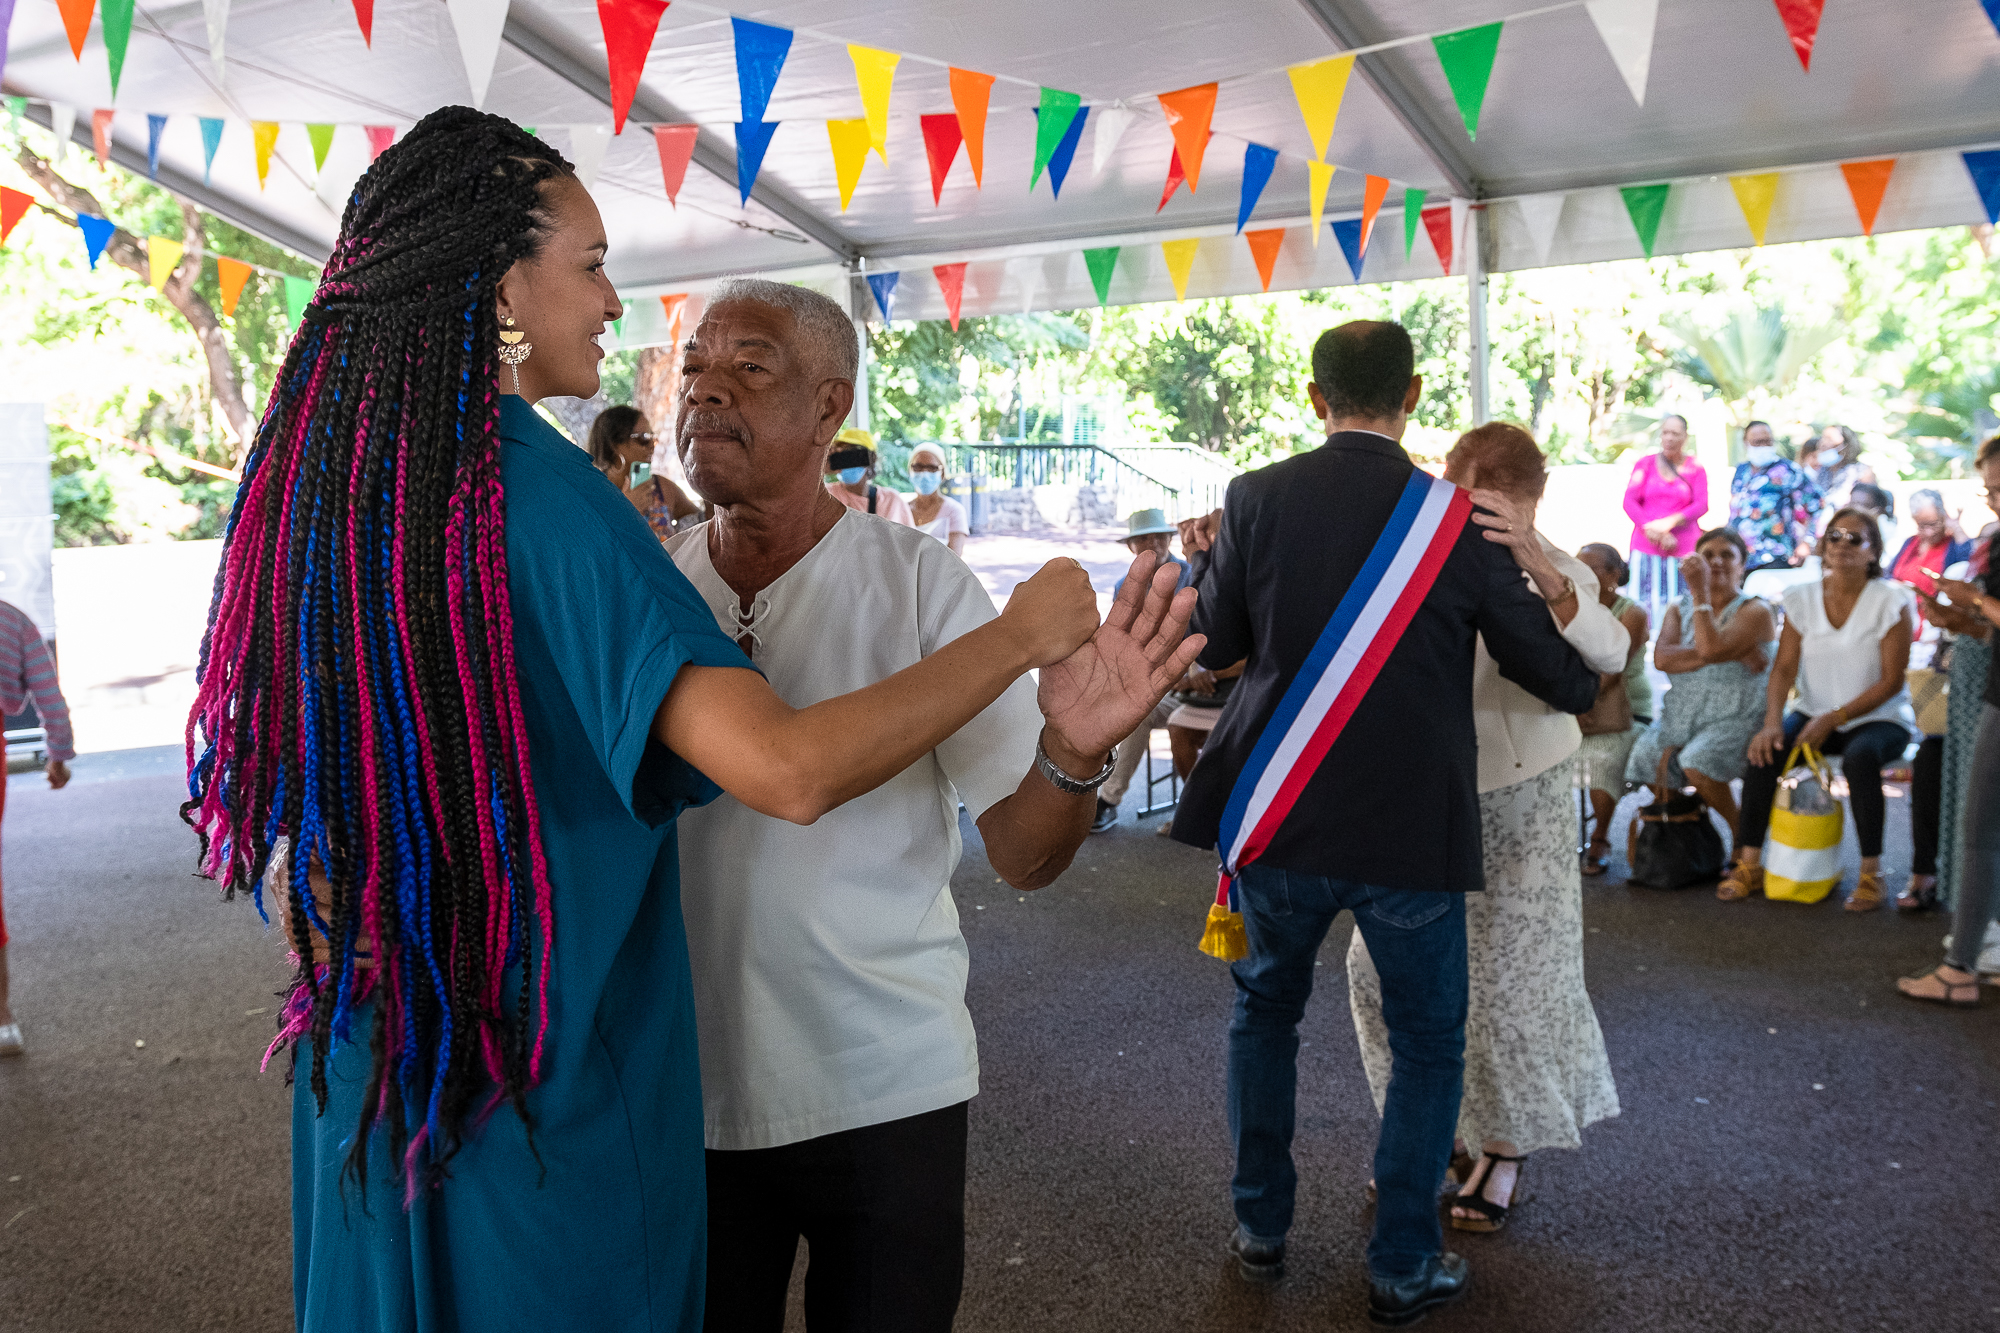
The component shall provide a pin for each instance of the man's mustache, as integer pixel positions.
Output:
(704, 423)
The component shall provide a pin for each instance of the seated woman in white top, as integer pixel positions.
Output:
(1846, 643)
(931, 510)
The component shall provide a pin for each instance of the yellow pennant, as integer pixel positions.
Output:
(1319, 88)
(1322, 176)
(230, 275)
(874, 71)
(850, 140)
(162, 258)
(1180, 260)
(1754, 195)
(265, 133)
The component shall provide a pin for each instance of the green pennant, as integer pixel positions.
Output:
(1467, 57)
(117, 35)
(322, 139)
(1058, 109)
(298, 295)
(1413, 209)
(16, 108)
(1100, 263)
(1646, 204)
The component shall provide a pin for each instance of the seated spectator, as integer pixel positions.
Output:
(1718, 659)
(1145, 530)
(1624, 705)
(931, 511)
(852, 463)
(621, 444)
(1937, 545)
(1846, 644)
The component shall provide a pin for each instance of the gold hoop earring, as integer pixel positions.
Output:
(514, 348)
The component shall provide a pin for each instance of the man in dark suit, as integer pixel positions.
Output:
(1387, 827)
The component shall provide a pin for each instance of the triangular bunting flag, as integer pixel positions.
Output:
(1175, 176)
(1100, 263)
(1258, 162)
(951, 281)
(16, 106)
(1031, 280)
(986, 280)
(1319, 175)
(1984, 168)
(1180, 261)
(629, 27)
(1413, 206)
(13, 207)
(760, 54)
(264, 134)
(96, 234)
(216, 12)
(874, 72)
(1754, 195)
(163, 256)
(1372, 194)
(1461, 211)
(379, 139)
(155, 126)
(1467, 57)
(230, 275)
(322, 139)
(364, 15)
(1801, 18)
(62, 120)
(1112, 122)
(941, 140)
(1437, 222)
(676, 145)
(1066, 152)
(117, 22)
(752, 138)
(587, 146)
(673, 305)
(1319, 88)
(478, 24)
(1626, 27)
(1348, 232)
(1539, 214)
(1188, 113)
(970, 94)
(298, 295)
(1866, 182)
(76, 22)
(100, 134)
(1646, 205)
(1264, 249)
(1992, 8)
(883, 285)
(850, 140)
(1052, 120)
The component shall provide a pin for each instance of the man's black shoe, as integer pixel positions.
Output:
(1259, 1261)
(1106, 817)
(1443, 1279)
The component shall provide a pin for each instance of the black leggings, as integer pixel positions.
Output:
(1926, 798)
(1863, 751)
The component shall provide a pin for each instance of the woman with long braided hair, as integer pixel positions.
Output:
(449, 669)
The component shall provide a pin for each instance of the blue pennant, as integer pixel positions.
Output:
(884, 287)
(211, 139)
(1258, 163)
(1985, 168)
(96, 234)
(752, 138)
(1992, 11)
(154, 126)
(1059, 160)
(1348, 232)
(760, 53)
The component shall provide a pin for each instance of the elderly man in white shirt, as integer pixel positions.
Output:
(837, 1052)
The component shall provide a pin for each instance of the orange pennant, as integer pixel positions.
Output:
(1264, 249)
(100, 134)
(1188, 113)
(970, 93)
(230, 275)
(1866, 182)
(76, 21)
(675, 304)
(13, 207)
(1371, 200)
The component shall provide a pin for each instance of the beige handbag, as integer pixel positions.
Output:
(1930, 697)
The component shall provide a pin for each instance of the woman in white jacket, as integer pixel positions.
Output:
(1535, 1068)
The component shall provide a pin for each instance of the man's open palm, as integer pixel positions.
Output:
(1098, 694)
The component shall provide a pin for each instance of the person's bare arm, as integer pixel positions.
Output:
(1746, 632)
(956, 541)
(1764, 745)
(1669, 655)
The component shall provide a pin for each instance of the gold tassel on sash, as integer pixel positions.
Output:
(1224, 936)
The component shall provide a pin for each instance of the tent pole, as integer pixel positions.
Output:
(1482, 347)
(857, 306)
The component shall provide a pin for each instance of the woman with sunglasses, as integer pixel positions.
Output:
(1846, 645)
(621, 439)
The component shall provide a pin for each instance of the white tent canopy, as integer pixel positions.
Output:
(1916, 80)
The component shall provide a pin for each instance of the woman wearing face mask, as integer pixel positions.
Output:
(851, 461)
(1837, 467)
(1846, 645)
(931, 511)
(1772, 503)
(622, 437)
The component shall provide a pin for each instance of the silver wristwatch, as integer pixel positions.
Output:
(1062, 781)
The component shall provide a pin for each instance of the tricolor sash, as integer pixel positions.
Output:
(1365, 629)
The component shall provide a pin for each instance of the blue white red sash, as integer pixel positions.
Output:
(1365, 629)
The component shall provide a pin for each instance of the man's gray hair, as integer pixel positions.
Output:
(824, 328)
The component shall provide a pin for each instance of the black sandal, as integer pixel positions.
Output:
(1914, 899)
(1493, 1215)
(1458, 1173)
(1594, 861)
(1949, 987)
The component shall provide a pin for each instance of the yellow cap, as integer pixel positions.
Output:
(854, 436)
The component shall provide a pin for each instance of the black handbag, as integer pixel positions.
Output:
(1673, 844)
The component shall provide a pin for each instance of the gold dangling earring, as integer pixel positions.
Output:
(513, 350)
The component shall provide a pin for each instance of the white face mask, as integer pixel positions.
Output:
(1829, 457)
(1761, 455)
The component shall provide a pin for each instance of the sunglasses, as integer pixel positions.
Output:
(1847, 536)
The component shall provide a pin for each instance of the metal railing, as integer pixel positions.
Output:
(1179, 479)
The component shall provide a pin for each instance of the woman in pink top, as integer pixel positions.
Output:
(1668, 492)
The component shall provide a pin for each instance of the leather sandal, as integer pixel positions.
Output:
(1456, 1175)
(1919, 895)
(1742, 881)
(1868, 893)
(1951, 989)
(1493, 1216)
(1594, 859)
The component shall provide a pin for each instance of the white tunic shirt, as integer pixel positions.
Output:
(1835, 665)
(829, 971)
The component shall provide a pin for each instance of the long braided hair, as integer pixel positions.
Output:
(357, 698)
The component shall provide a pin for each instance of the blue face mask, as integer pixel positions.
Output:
(926, 482)
(852, 475)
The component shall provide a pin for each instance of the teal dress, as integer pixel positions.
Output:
(608, 1229)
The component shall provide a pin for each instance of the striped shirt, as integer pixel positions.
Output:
(26, 672)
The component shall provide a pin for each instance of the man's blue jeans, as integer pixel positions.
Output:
(1418, 943)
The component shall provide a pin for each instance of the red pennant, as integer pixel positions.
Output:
(1188, 113)
(100, 134)
(1175, 175)
(1866, 182)
(364, 14)
(1437, 221)
(1802, 25)
(379, 139)
(951, 278)
(941, 139)
(629, 27)
(76, 21)
(1371, 201)
(676, 145)
(13, 207)
(1264, 249)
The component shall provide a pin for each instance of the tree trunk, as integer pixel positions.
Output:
(129, 252)
(656, 391)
